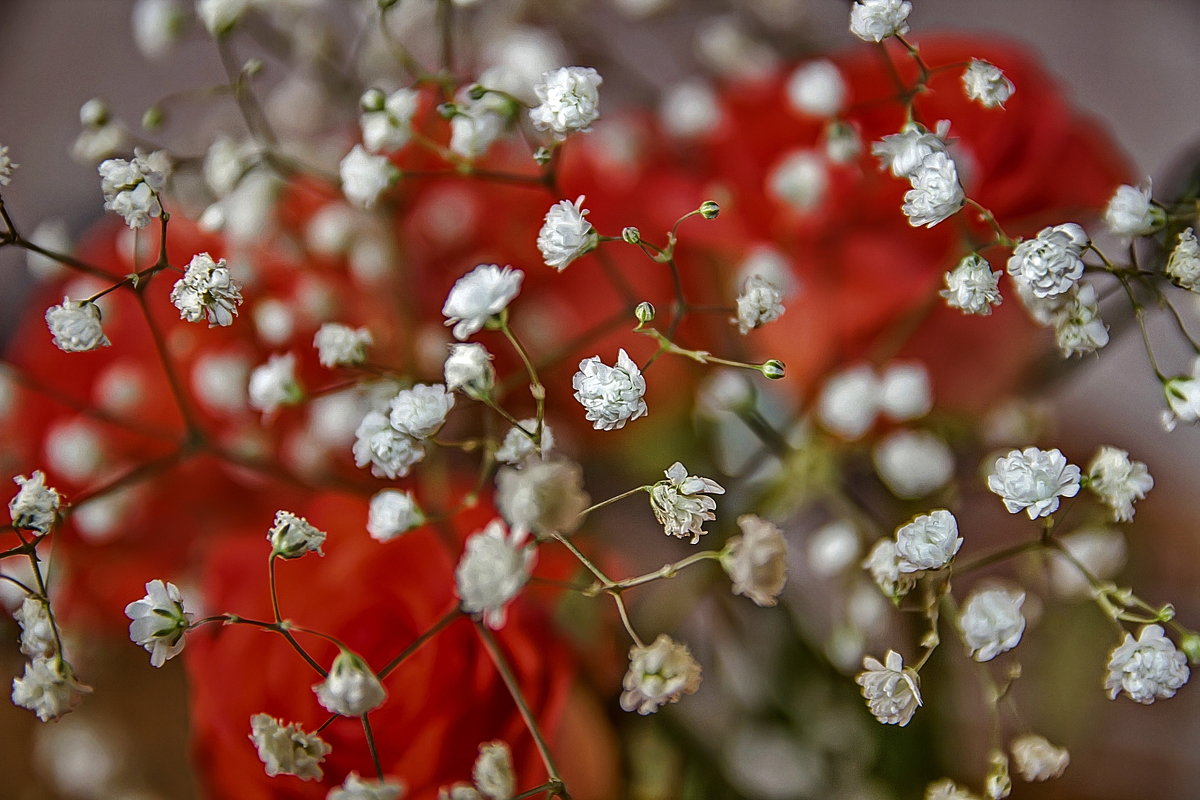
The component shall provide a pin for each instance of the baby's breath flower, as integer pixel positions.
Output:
(207, 291)
(1183, 265)
(157, 25)
(274, 384)
(131, 187)
(680, 503)
(930, 541)
(1050, 263)
(985, 84)
(35, 505)
(913, 464)
(569, 101)
(799, 179)
(476, 125)
(566, 235)
(659, 674)
(292, 536)
(37, 628)
(991, 621)
(1033, 480)
(1130, 212)
(946, 789)
(220, 16)
(493, 772)
(390, 453)
(760, 302)
(997, 784)
(690, 109)
(6, 166)
(756, 561)
(876, 20)
(1147, 668)
(1078, 328)
(817, 88)
(420, 411)
(545, 497)
(159, 621)
(892, 691)
(341, 345)
(904, 152)
(904, 391)
(287, 749)
(936, 193)
(972, 287)
(612, 395)
(75, 326)
(357, 788)
(468, 369)
(48, 688)
(1183, 398)
(480, 295)
(494, 567)
(1036, 759)
(385, 121)
(351, 688)
(393, 512)
(365, 176)
(1118, 482)
(849, 401)
(518, 447)
(884, 565)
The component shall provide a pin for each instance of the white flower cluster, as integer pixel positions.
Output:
(207, 291)
(929, 542)
(292, 536)
(612, 395)
(274, 384)
(391, 441)
(131, 188)
(1146, 669)
(936, 192)
(903, 152)
(6, 166)
(479, 296)
(1036, 759)
(760, 302)
(287, 749)
(468, 369)
(35, 505)
(1033, 480)
(75, 326)
(1183, 398)
(48, 688)
(853, 398)
(756, 560)
(494, 567)
(477, 123)
(393, 512)
(386, 119)
(569, 101)
(518, 446)
(1183, 265)
(892, 690)
(356, 787)
(972, 286)
(565, 234)
(681, 503)
(341, 345)
(659, 674)
(876, 20)
(985, 84)
(1130, 212)
(159, 621)
(1118, 481)
(1049, 264)
(365, 176)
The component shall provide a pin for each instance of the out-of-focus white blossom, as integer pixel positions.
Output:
(972, 286)
(833, 547)
(157, 26)
(681, 503)
(843, 143)
(274, 384)
(1100, 550)
(365, 176)
(1130, 212)
(1049, 264)
(351, 688)
(760, 302)
(612, 395)
(996, 783)
(220, 16)
(545, 497)
(904, 391)
(946, 789)
(393, 512)
(892, 691)
(48, 688)
(928, 542)
(658, 674)
(985, 84)
(849, 401)
(420, 411)
(799, 179)
(358, 788)
(287, 749)
(385, 119)
(1183, 398)
(341, 345)
(1033, 480)
(35, 505)
(1183, 265)
(817, 88)
(913, 464)
(1118, 481)
(101, 136)
(756, 560)
(207, 291)
(6, 166)
(51, 234)
(480, 295)
(569, 101)
(565, 234)
(494, 567)
(1036, 759)
(493, 772)
(1147, 668)
(690, 109)
(518, 447)
(876, 20)
(883, 563)
(75, 326)
(477, 124)
(991, 621)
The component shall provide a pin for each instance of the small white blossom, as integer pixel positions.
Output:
(659, 674)
(681, 504)
(883, 563)
(220, 16)
(892, 691)
(365, 176)
(760, 302)
(35, 505)
(480, 295)
(972, 286)
(101, 136)
(341, 345)
(566, 235)
(904, 391)
(997, 784)
(936, 193)
(946, 789)
(756, 561)
(476, 125)
(1183, 398)
(157, 25)
(392, 513)
(569, 101)
(48, 688)
(876, 20)
(799, 179)
(53, 235)
(1101, 551)
(493, 772)
(131, 187)
(1183, 265)
(545, 497)
(287, 749)
(1146, 669)
(843, 144)
(518, 447)
(817, 88)
(1118, 482)
(274, 384)
(6, 166)
(420, 411)
(690, 109)
(1078, 328)
(1032, 480)
(913, 464)
(37, 628)
(1050, 264)
(386, 121)
(612, 395)
(468, 369)
(833, 547)
(1036, 759)
(356, 788)
(159, 621)
(494, 567)
(1130, 212)
(991, 621)
(459, 791)
(985, 84)
(75, 326)
(390, 453)
(904, 152)
(351, 688)
(928, 542)
(207, 291)
(292, 536)
(849, 401)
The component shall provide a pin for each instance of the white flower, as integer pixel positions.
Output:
(274, 384)
(570, 101)
(365, 176)
(817, 88)
(1183, 398)
(53, 235)
(468, 369)
(1032, 480)
(1050, 264)
(566, 235)
(1078, 328)
(1130, 212)
(480, 295)
(518, 447)
(972, 287)
(991, 621)
(459, 791)
(946, 789)
(493, 772)
(1118, 482)
(75, 326)
(904, 152)
(6, 166)
(542, 496)
(876, 20)
(390, 453)
(159, 621)
(157, 24)
(760, 302)
(48, 688)
(985, 83)
(849, 401)
(689, 109)
(207, 291)
(420, 411)
(37, 628)
(1100, 550)
(904, 392)
(1147, 668)
(659, 674)
(385, 121)
(100, 137)
(997, 784)
(392, 513)
(35, 505)
(219, 16)
(341, 345)
(913, 464)
(928, 542)
(1037, 759)
(612, 395)
(356, 788)
(680, 503)
(833, 547)
(494, 567)
(936, 193)
(131, 187)
(799, 179)
(475, 125)
(1183, 265)
(756, 561)
(351, 688)
(884, 565)
(292, 536)
(892, 690)
(287, 750)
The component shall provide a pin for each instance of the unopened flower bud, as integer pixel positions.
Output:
(372, 100)
(773, 369)
(542, 156)
(93, 113)
(631, 235)
(252, 67)
(153, 118)
(709, 209)
(644, 312)
(447, 110)
(476, 92)
(1190, 645)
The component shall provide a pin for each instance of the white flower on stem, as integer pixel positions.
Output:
(159, 621)
(566, 235)
(756, 561)
(545, 497)
(1033, 480)
(37, 628)
(1049, 264)
(985, 84)
(876, 20)
(494, 567)
(287, 749)
(817, 88)
(1118, 481)
(972, 286)
(75, 326)
(101, 136)
(1183, 398)
(292, 536)
(997, 784)
(904, 152)
(1036, 759)
(681, 503)
(928, 542)
(659, 674)
(386, 119)
(493, 772)
(351, 688)
(569, 101)
(892, 691)
(913, 464)
(1130, 212)
(904, 391)
(390, 453)
(476, 125)
(849, 401)
(478, 296)
(365, 176)
(131, 187)
(420, 411)
(157, 25)
(207, 291)
(1078, 328)
(760, 302)
(48, 688)
(341, 345)
(220, 16)
(468, 369)
(274, 384)
(357, 788)
(35, 505)
(1147, 668)
(991, 621)
(843, 144)
(393, 512)
(936, 193)
(518, 446)
(1183, 265)
(883, 563)
(1101, 551)
(946, 789)
(799, 179)
(612, 395)
(6, 166)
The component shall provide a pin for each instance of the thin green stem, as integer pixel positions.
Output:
(624, 612)
(665, 572)
(587, 562)
(612, 500)
(417, 643)
(370, 737)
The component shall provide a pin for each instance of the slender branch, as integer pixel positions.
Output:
(446, 619)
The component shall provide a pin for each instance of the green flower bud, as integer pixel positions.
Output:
(644, 312)
(773, 369)
(709, 209)
(372, 100)
(631, 235)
